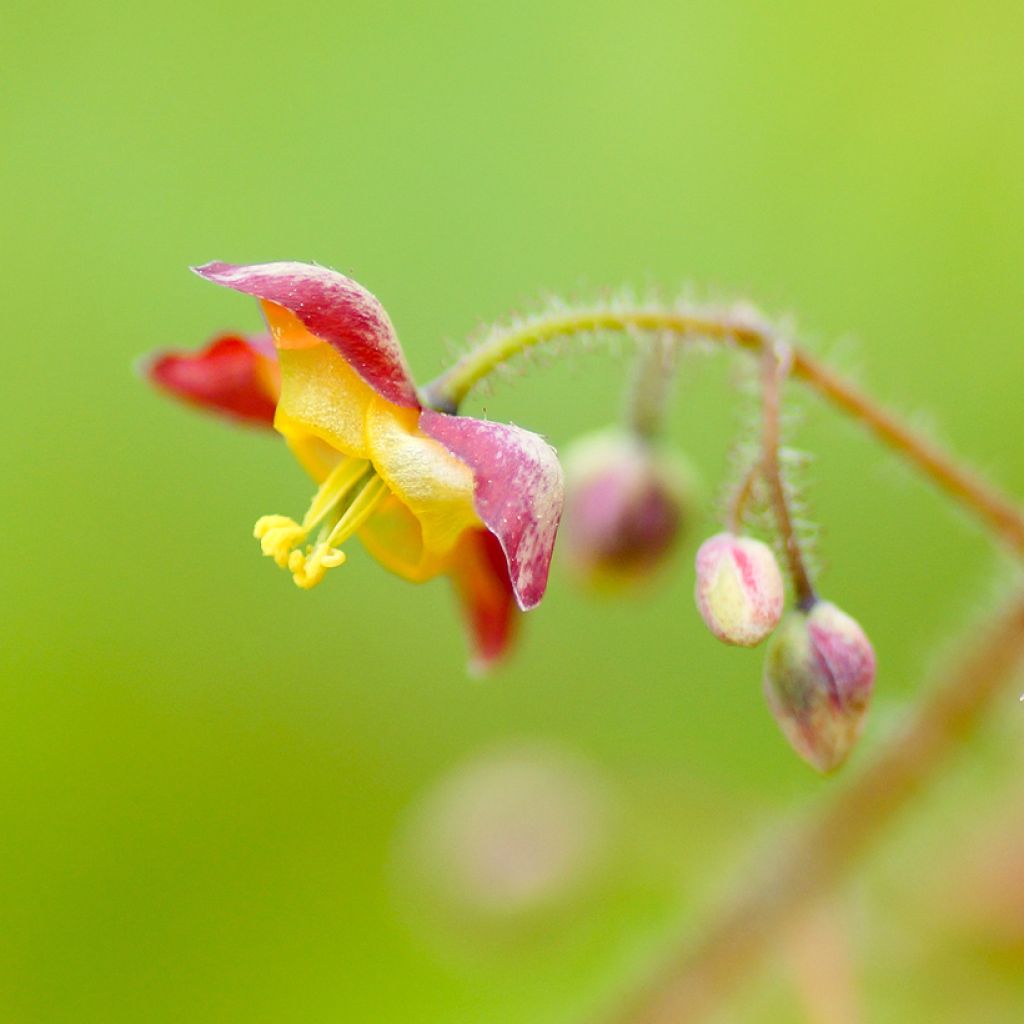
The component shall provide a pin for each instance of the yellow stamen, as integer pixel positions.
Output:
(281, 538)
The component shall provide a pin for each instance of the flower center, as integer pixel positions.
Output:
(345, 500)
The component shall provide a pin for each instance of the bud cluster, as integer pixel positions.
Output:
(819, 666)
(627, 502)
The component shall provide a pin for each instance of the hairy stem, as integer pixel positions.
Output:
(819, 854)
(775, 367)
(986, 503)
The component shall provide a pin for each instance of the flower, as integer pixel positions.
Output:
(427, 493)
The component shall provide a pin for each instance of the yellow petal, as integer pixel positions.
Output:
(435, 486)
(322, 396)
(393, 536)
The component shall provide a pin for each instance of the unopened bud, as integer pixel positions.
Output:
(739, 590)
(626, 503)
(818, 676)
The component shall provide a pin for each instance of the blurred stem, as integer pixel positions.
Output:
(986, 503)
(648, 394)
(819, 854)
(775, 367)
(741, 498)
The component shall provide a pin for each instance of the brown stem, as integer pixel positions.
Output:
(775, 365)
(959, 481)
(819, 854)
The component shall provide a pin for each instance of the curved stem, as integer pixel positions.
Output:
(986, 503)
(775, 367)
(818, 855)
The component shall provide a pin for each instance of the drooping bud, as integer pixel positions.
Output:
(626, 503)
(739, 589)
(818, 676)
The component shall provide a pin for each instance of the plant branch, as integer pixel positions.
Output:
(819, 854)
(986, 503)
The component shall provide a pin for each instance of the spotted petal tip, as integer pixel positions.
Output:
(518, 492)
(336, 310)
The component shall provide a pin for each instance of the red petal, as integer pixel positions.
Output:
(518, 494)
(480, 576)
(233, 375)
(336, 310)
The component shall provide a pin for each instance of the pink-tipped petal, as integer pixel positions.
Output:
(518, 492)
(234, 376)
(333, 308)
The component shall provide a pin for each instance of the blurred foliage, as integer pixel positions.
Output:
(205, 770)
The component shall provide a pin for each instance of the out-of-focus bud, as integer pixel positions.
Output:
(739, 590)
(818, 676)
(626, 503)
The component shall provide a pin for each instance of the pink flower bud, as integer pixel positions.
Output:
(626, 503)
(739, 591)
(818, 677)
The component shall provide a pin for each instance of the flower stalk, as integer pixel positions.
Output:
(775, 367)
(982, 500)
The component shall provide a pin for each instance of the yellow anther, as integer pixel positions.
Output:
(277, 536)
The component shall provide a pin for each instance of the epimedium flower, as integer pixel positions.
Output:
(427, 493)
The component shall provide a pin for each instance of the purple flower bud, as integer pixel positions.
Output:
(626, 503)
(818, 676)
(739, 590)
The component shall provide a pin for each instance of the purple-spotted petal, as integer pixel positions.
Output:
(518, 492)
(336, 310)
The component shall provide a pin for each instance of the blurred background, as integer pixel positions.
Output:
(226, 800)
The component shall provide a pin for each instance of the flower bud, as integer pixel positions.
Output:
(626, 503)
(739, 590)
(818, 676)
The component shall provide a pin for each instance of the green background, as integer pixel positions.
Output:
(206, 774)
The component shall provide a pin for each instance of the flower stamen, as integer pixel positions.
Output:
(336, 509)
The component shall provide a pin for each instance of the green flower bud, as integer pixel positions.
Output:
(818, 677)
